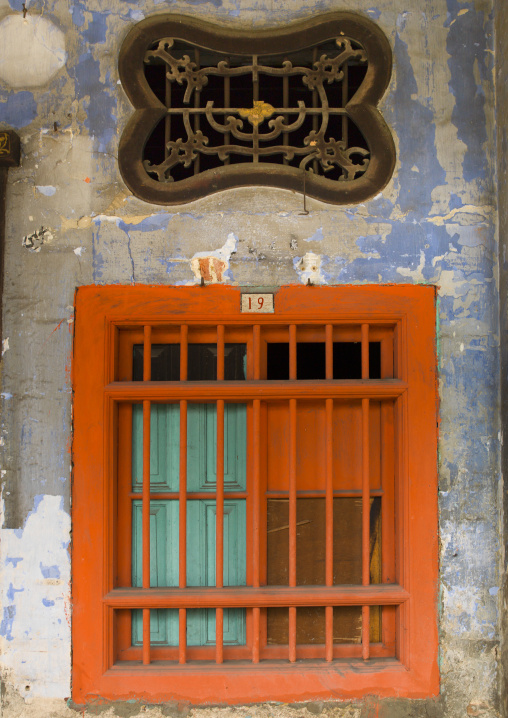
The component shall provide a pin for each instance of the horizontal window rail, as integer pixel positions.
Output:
(256, 597)
(257, 389)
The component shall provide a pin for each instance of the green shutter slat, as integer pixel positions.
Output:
(201, 567)
(202, 443)
(164, 476)
(163, 568)
(164, 447)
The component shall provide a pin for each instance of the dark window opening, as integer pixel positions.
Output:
(310, 360)
(201, 362)
(284, 91)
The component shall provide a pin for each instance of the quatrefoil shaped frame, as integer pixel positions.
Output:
(301, 35)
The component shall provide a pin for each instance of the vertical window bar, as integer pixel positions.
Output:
(219, 521)
(197, 98)
(219, 508)
(182, 635)
(182, 530)
(345, 93)
(256, 448)
(256, 337)
(292, 351)
(256, 632)
(184, 334)
(227, 103)
(314, 105)
(167, 121)
(147, 359)
(365, 351)
(220, 352)
(255, 78)
(182, 499)
(147, 354)
(285, 103)
(329, 351)
(329, 494)
(255, 523)
(292, 525)
(365, 495)
(365, 525)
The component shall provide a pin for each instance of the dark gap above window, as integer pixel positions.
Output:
(202, 362)
(165, 362)
(310, 360)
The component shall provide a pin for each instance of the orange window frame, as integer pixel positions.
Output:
(99, 667)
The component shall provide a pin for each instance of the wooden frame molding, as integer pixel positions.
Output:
(253, 672)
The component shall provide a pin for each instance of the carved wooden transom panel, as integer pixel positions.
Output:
(291, 107)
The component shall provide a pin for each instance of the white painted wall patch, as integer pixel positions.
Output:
(32, 50)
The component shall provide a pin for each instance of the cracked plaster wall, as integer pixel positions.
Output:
(70, 221)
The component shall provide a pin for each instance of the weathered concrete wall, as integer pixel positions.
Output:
(501, 32)
(71, 221)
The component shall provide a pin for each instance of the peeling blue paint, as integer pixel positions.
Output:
(455, 201)
(78, 17)
(316, 237)
(47, 602)
(11, 592)
(19, 109)
(49, 571)
(215, 3)
(9, 613)
(414, 123)
(154, 222)
(97, 28)
(466, 44)
(14, 560)
(100, 105)
(168, 264)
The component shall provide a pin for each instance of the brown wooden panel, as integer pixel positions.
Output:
(310, 564)
(347, 434)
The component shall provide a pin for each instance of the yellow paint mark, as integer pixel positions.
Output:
(440, 220)
(118, 201)
(462, 12)
(85, 222)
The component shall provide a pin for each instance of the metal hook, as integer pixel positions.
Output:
(305, 210)
(24, 10)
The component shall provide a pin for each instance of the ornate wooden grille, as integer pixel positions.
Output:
(290, 110)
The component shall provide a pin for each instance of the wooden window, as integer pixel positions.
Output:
(254, 498)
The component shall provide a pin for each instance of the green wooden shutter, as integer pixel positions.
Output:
(201, 567)
(202, 447)
(163, 568)
(164, 447)
(201, 476)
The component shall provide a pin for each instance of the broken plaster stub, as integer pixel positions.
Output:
(33, 242)
(213, 267)
(308, 268)
(32, 50)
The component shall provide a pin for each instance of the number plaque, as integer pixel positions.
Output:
(257, 303)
